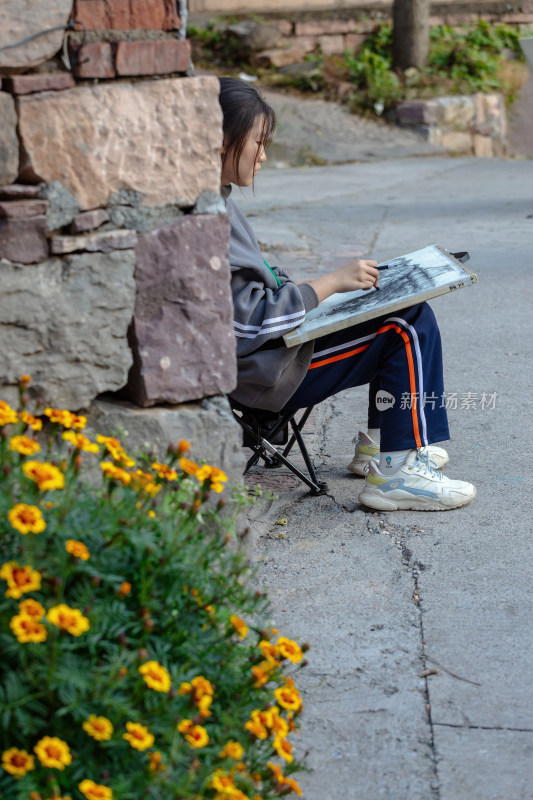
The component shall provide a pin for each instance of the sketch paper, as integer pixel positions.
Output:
(413, 278)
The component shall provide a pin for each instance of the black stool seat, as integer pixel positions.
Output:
(263, 430)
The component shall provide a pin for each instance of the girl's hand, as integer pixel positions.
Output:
(360, 274)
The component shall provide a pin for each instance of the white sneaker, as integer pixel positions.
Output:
(416, 486)
(366, 448)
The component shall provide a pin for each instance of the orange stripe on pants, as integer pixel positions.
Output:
(410, 365)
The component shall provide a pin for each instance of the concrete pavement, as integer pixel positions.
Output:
(419, 678)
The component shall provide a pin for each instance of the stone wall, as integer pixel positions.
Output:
(114, 242)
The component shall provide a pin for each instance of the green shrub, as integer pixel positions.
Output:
(136, 662)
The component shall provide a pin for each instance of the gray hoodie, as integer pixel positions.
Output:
(267, 304)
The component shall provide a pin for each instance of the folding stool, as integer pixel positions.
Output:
(262, 430)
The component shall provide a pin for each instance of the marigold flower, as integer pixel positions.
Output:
(183, 446)
(53, 752)
(185, 725)
(115, 450)
(278, 725)
(31, 421)
(288, 697)
(26, 519)
(78, 421)
(115, 473)
(240, 626)
(45, 475)
(68, 619)
(100, 728)
(188, 467)
(19, 579)
(202, 686)
(80, 442)
(155, 762)
(138, 736)
(17, 762)
(283, 780)
(95, 791)
(145, 481)
(289, 649)
(77, 549)
(7, 415)
(222, 782)
(24, 445)
(260, 676)
(155, 676)
(31, 608)
(257, 724)
(164, 471)
(232, 749)
(270, 651)
(125, 588)
(27, 629)
(62, 417)
(24, 380)
(197, 736)
(283, 748)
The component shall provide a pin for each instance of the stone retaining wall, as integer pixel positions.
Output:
(114, 241)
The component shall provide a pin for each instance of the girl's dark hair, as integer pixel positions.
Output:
(241, 105)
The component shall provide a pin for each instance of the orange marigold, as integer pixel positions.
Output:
(138, 736)
(31, 421)
(31, 608)
(7, 415)
(95, 791)
(100, 728)
(155, 676)
(24, 445)
(288, 697)
(155, 762)
(26, 519)
(77, 549)
(17, 762)
(289, 649)
(233, 750)
(240, 626)
(197, 736)
(19, 579)
(115, 473)
(80, 442)
(283, 748)
(62, 417)
(45, 475)
(68, 619)
(27, 629)
(164, 471)
(53, 752)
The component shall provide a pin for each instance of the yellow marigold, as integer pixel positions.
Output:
(222, 782)
(240, 626)
(261, 677)
(183, 446)
(202, 686)
(289, 649)
(257, 724)
(7, 415)
(68, 619)
(282, 780)
(45, 475)
(138, 736)
(100, 728)
(20, 579)
(288, 695)
(197, 736)
(164, 471)
(115, 450)
(155, 762)
(185, 725)
(155, 676)
(283, 748)
(53, 752)
(31, 608)
(203, 704)
(78, 421)
(278, 725)
(235, 794)
(26, 519)
(217, 479)
(27, 629)
(80, 442)
(31, 421)
(24, 380)
(17, 762)
(125, 588)
(187, 466)
(95, 791)
(270, 651)
(77, 549)
(115, 473)
(232, 749)
(143, 480)
(24, 445)
(62, 417)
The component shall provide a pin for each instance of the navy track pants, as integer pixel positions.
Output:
(400, 356)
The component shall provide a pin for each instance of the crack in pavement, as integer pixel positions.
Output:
(483, 727)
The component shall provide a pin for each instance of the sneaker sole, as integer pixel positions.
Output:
(377, 501)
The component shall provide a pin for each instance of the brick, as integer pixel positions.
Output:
(19, 191)
(284, 26)
(22, 209)
(331, 45)
(482, 146)
(89, 220)
(127, 14)
(94, 242)
(281, 57)
(94, 60)
(152, 58)
(29, 84)
(23, 240)
(353, 41)
(9, 145)
(324, 27)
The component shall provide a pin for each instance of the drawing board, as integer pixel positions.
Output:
(411, 278)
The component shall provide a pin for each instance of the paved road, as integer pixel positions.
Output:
(384, 597)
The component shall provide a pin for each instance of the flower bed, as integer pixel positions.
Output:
(136, 660)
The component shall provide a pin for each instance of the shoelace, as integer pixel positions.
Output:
(424, 464)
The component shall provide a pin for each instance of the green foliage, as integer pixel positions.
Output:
(156, 590)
